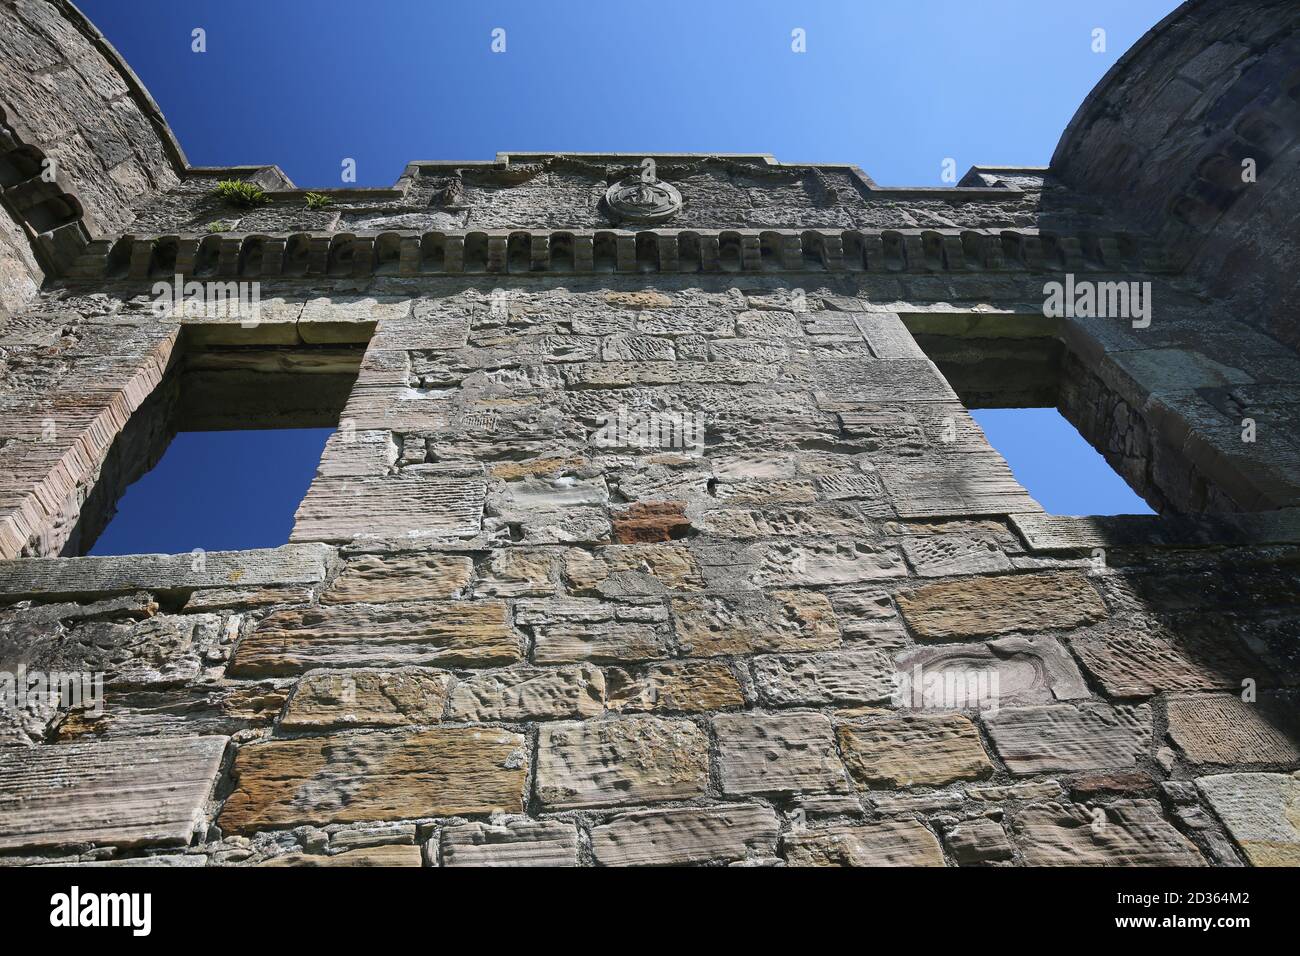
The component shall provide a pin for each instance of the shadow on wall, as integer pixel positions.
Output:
(1215, 640)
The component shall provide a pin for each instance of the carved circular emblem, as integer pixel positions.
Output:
(642, 198)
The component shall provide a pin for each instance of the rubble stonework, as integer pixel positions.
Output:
(654, 542)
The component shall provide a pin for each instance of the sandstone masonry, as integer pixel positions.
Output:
(644, 511)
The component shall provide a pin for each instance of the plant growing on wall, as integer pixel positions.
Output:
(317, 200)
(238, 192)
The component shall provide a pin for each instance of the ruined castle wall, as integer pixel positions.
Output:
(65, 92)
(20, 273)
(81, 143)
(671, 544)
(526, 616)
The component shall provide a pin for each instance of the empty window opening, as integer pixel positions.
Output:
(1063, 473)
(222, 452)
(1067, 437)
(218, 491)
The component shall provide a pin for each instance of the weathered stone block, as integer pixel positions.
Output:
(385, 856)
(888, 843)
(922, 750)
(690, 835)
(1133, 661)
(650, 521)
(162, 650)
(846, 677)
(811, 564)
(980, 607)
(474, 633)
(778, 753)
(581, 629)
(1123, 833)
(516, 843)
(531, 693)
(973, 842)
(942, 555)
(518, 572)
(1066, 737)
(367, 698)
(375, 579)
(349, 778)
(74, 577)
(221, 709)
(999, 673)
(409, 506)
(1226, 730)
(121, 793)
(742, 623)
(681, 686)
(628, 760)
(1261, 812)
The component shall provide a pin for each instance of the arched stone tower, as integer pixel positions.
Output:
(655, 528)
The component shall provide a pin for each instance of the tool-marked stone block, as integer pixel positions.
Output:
(1123, 833)
(367, 698)
(689, 835)
(515, 843)
(385, 856)
(740, 623)
(920, 750)
(407, 506)
(788, 752)
(1261, 812)
(944, 555)
(1227, 730)
(984, 606)
(147, 791)
(582, 629)
(682, 686)
(1067, 737)
(531, 693)
(471, 633)
(887, 843)
(627, 760)
(375, 579)
(855, 675)
(390, 775)
(1137, 661)
(827, 563)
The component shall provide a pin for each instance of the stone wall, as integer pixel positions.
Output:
(81, 143)
(637, 543)
(1162, 141)
(20, 274)
(65, 92)
(505, 633)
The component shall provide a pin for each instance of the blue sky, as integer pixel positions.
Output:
(219, 491)
(895, 87)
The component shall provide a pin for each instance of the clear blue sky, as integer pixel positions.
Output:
(895, 87)
(219, 491)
